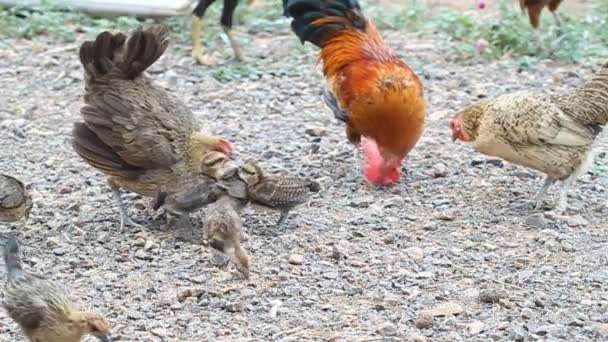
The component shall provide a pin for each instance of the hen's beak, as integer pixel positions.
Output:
(454, 135)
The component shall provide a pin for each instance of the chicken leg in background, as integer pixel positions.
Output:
(142, 137)
(553, 134)
(226, 19)
(43, 308)
(15, 202)
(377, 96)
(534, 9)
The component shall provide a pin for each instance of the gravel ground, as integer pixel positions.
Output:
(358, 263)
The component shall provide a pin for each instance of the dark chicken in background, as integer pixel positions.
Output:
(43, 309)
(142, 137)
(15, 202)
(377, 96)
(226, 19)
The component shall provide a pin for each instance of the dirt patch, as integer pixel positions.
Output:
(370, 259)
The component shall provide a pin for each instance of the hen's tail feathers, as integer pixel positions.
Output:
(590, 101)
(131, 56)
(316, 20)
(99, 155)
(12, 259)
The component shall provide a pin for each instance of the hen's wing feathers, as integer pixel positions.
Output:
(146, 126)
(532, 120)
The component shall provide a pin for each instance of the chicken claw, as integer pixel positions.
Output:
(124, 216)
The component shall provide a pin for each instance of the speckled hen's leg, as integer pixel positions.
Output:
(542, 193)
(563, 195)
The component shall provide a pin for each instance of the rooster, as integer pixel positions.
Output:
(552, 134)
(377, 96)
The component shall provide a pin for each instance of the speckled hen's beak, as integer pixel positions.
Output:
(454, 135)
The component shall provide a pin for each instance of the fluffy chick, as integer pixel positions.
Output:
(15, 202)
(194, 193)
(282, 193)
(43, 308)
(224, 226)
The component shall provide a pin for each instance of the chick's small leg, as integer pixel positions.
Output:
(233, 43)
(184, 230)
(240, 260)
(197, 47)
(563, 195)
(282, 218)
(124, 216)
(542, 193)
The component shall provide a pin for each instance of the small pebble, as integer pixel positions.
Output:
(296, 259)
(424, 320)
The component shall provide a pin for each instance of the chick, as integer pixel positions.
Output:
(15, 202)
(43, 309)
(194, 193)
(224, 226)
(281, 193)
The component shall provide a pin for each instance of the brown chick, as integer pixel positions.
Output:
(281, 193)
(194, 192)
(552, 134)
(224, 227)
(15, 202)
(142, 137)
(43, 308)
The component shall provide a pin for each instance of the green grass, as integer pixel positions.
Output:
(507, 32)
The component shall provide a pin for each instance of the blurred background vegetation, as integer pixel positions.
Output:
(503, 29)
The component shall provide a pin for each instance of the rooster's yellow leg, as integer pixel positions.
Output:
(197, 47)
(235, 47)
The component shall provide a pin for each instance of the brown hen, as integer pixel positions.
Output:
(142, 137)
